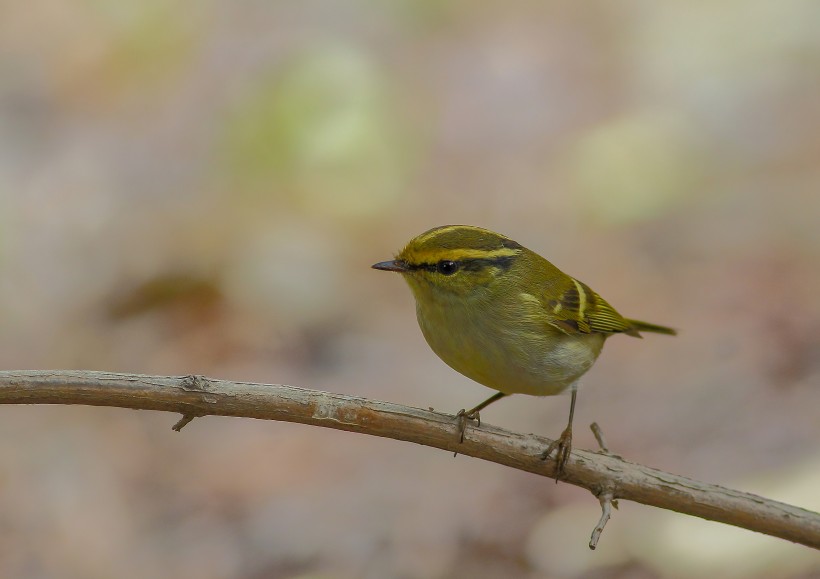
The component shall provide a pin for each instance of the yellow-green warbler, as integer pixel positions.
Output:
(506, 317)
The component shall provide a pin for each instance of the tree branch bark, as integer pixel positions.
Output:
(607, 477)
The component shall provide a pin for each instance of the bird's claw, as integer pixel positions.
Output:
(562, 447)
(462, 416)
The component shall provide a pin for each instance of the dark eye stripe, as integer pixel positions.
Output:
(424, 266)
(504, 262)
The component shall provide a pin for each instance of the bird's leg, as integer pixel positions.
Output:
(563, 444)
(473, 414)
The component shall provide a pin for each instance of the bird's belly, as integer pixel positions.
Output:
(517, 361)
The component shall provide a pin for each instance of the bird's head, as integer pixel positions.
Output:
(454, 259)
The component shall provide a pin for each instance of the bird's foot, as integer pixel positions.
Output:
(562, 447)
(462, 416)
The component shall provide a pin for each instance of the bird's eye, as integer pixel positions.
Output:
(447, 267)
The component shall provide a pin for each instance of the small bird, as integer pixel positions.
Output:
(507, 318)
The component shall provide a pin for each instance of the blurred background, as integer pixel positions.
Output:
(201, 187)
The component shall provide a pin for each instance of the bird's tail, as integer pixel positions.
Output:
(638, 326)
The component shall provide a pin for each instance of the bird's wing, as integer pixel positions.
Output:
(581, 310)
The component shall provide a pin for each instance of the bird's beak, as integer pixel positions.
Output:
(395, 265)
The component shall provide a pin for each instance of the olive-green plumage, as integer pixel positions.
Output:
(503, 315)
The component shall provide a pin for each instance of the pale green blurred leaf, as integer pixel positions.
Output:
(320, 131)
(637, 167)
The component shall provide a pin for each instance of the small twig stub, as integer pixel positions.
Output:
(606, 512)
(183, 422)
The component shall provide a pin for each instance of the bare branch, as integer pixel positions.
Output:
(183, 422)
(606, 501)
(599, 437)
(194, 396)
